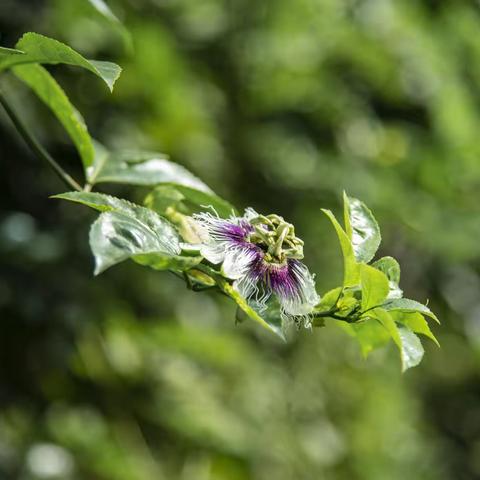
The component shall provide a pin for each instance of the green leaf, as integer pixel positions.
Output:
(116, 236)
(412, 349)
(351, 268)
(104, 10)
(329, 299)
(193, 199)
(273, 324)
(407, 305)
(362, 229)
(415, 322)
(103, 202)
(369, 333)
(390, 267)
(50, 92)
(178, 263)
(37, 48)
(388, 322)
(142, 168)
(374, 285)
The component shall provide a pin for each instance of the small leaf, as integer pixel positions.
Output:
(274, 324)
(351, 268)
(390, 267)
(407, 305)
(412, 349)
(362, 229)
(329, 299)
(50, 92)
(116, 236)
(37, 48)
(374, 287)
(415, 322)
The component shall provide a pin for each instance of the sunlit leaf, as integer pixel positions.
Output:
(351, 268)
(390, 267)
(50, 92)
(37, 48)
(415, 322)
(412, 349)
(407, 305)
(362, 229)
(103, 202)
(388, 322)
(374, 285)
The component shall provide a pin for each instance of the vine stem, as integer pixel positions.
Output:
(35, 146)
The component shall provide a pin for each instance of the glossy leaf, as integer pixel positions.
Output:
(103, 202)
(142, 168)
(37, 48)
(116, 236)
(390, 267)
(50, 92)
(351, 268)
(362, 229)
(416, 323)
(412, 350)
(374, 285)
(407, 305)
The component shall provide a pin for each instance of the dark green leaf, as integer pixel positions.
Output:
(50, 92)
(116, 236)
(362, 229)
(37, 48)
(374, 285)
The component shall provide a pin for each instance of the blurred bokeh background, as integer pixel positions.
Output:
(280, 105)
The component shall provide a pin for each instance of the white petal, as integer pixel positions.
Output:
(307, 298)
(237, 262)
(250, 213)
(214, 252)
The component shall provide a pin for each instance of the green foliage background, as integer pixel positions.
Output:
(279, 105)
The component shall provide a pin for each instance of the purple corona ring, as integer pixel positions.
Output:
(262, 255)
